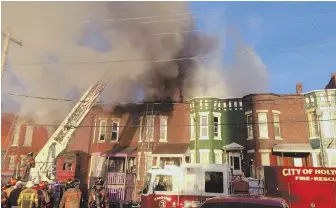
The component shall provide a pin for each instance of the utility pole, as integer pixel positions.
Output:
(8, 39)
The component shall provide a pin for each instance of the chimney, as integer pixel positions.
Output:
(299, 88)
(333, 76)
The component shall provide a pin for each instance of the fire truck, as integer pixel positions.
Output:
(185, 186)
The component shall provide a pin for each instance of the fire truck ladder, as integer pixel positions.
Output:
(10, 139)
(45, 159)
(148, 135)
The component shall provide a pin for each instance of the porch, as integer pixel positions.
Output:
(170, 154)
(121, 173)
(233, 154)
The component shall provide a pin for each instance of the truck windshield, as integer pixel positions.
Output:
(146, 185)
(163, 183)
(238, 205)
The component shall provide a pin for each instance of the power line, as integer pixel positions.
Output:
(178, 14)
(202, 56)
(180, 125)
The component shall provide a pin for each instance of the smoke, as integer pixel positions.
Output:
(58, 32)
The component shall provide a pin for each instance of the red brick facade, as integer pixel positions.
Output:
(293, 126)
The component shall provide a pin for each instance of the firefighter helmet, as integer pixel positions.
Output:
(13, 181)
(30, 154)
(76, 182)
(70, 183)
(99, 181)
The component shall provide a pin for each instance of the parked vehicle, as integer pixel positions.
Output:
(245, 201)
(185, 186)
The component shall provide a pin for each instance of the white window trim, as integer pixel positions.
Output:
(9, 162)
(219, 115)
(192, 127)
(265, 150)
(248, 113)
(221, 154)
(263, 111)
(329, 151)
(100, 126)
(117, 122)
(165, 139)
(138, 163)
(276, 111)
(261, 158)
(151, 117)
(207, 115)
(140, 130)
(315, 157)
(16, 135)
(28, 137)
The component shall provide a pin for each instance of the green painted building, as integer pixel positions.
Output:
(320, 106)
(216, 123)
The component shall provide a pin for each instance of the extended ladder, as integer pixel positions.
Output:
(148, 133)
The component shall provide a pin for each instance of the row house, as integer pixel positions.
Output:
(320, 106)
(216, 125)
(19, 136)
(277, 132)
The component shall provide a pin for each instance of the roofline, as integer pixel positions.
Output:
(322, 90)
(209, 97)
(274, 94)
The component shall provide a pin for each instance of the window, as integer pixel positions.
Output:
(235, 162)
(204, 156)
(67, 165)
(163, 183)
(102, 130)
(147, 183)
(138, 166)
(192, 128)
(214, 182)
(313, 124)
(22, 159)
(265, 159)
(218, 156)
(249, 126)
(115, 130)
(332, 158)
(217, 127)
(262, 120)
(276, 122)
(150, 129)
(326, 124)
(279, 161)
(149, 160)
(163, 128)
(94, 132)
(204, 127)
(11, 162)
(140, 130)
(16, 135)
(297, 162)
(28, 136)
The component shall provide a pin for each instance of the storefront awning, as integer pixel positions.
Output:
(121, 152)
(172, 149)
(295, 148)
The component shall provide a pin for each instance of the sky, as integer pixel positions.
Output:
(272, 27)
(296, 41)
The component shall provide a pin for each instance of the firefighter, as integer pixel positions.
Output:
(29, 163)
(44, 197)
(4, 197)
(72, 197)
(98, 195)
(10, 186)
(28, 197)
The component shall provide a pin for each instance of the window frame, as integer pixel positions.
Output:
(192, 156)
(276, 124)
(138, 167)
(112, 131)
(297, 160)
(163, 127)
(192, 127)
(150, 129)
(218, 152)
(28, 137)
(219, 129)
(265, 153)
(16, 135)
(313, 125)
(11, 162)
(263, 124)
(205, 126)
(100, 130)
(249, 125)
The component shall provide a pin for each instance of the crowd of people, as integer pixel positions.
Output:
(44, 195)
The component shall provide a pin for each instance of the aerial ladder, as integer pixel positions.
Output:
(45, 160)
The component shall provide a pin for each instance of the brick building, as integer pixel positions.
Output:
(19, 136)
(276, 131)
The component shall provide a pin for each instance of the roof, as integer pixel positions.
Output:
(171, 148)
(293, 147)
(121, 151)
(252, 199)
(233, 146)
